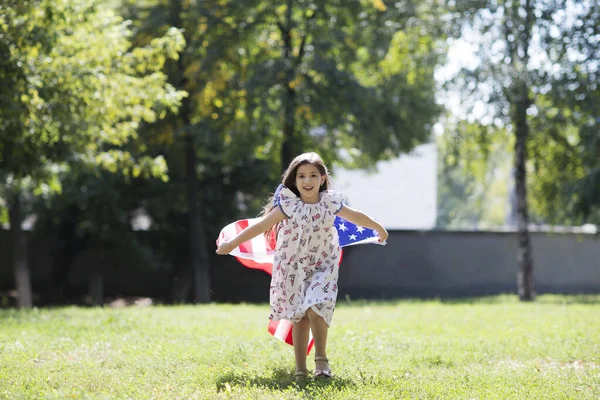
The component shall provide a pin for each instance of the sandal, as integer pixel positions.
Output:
(324, 373)
(301, 374)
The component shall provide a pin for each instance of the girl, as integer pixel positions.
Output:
(301, 215)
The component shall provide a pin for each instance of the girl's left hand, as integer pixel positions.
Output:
(383, 234)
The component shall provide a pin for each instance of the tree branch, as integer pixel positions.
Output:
(312, 84)
(301, 51)
(281, 28)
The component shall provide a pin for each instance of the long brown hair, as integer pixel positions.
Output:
(288, 179)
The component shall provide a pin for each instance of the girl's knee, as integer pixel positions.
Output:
(312, 313)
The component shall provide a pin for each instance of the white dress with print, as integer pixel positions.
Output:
(305, 265)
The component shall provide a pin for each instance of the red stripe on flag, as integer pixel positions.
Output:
(267, 267)
(241, 225)
(272, 241)
(288, 339)
(245, 247)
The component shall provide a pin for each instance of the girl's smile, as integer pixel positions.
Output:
(308, 182)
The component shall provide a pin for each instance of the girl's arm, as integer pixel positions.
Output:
(272, 218)
(359, 218)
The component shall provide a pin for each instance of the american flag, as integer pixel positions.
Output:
(258, 254)
(351, 234)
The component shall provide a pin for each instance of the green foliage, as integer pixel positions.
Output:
(566, 143)
(359, 78)
(230, 159)
(3, 213)
(99, 207)
(78, 91)
(92, 92)
(479, 348)
(473, 177)
(559, 67)
(76, 86)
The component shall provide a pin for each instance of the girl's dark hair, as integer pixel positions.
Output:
(288, 179)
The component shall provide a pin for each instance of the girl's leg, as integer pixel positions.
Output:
(300, 333)
(319, 330)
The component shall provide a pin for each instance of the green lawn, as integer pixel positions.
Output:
(491, 348)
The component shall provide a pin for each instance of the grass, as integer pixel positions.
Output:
(490, 348)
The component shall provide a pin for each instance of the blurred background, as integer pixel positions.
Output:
(131, 132)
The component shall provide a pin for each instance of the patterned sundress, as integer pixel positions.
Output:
(306, 260)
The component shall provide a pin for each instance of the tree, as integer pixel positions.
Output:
(193, 140)
(269, 80)
(566, 151)
(99, 210)
(514, 86)
(472, 178)
(311, 73)
(344, 75)
(76, 92)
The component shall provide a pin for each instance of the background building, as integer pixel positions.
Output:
(401, 194)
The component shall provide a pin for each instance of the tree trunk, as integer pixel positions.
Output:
(197, 247)
(20, 262)
(198, 258)
(182, 279)
(96, 288)
(525, 280)
(518, 22)
(290, 145)
(67, 247)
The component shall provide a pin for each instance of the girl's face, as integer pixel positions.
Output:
(308, 182)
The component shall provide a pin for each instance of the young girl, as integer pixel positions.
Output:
(305, 267)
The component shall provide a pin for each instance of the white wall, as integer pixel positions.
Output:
(402, 194)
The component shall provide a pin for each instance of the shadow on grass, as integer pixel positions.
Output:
(279, 379)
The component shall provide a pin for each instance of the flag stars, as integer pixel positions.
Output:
(350, 234)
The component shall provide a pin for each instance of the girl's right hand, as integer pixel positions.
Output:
(224, 248)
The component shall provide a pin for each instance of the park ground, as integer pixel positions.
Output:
(485, 348)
